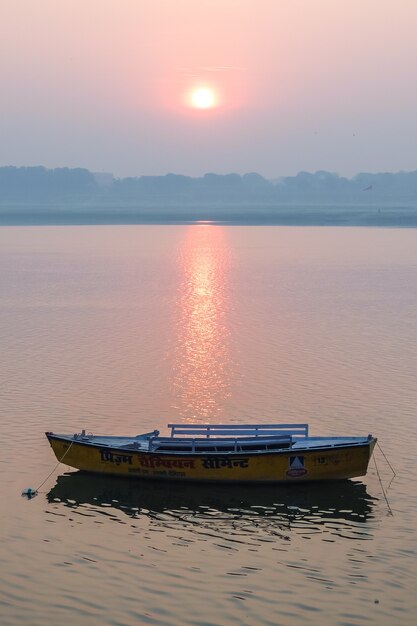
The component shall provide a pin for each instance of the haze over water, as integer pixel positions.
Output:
(122, 329)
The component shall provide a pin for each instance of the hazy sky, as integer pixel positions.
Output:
(297, 85)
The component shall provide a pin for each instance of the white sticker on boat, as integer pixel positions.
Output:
(296, 466)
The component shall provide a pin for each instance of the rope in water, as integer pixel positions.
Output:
(382, 487)
(60, 461)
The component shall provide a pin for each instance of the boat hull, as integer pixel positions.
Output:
(286, 466)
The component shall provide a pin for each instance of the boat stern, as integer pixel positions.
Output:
(372, 443)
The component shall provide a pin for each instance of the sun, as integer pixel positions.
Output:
(203, 98)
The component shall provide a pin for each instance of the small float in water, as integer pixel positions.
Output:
(224, 453)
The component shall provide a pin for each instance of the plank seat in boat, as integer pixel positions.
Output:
(240, 430)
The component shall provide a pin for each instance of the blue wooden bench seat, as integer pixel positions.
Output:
(239, 430)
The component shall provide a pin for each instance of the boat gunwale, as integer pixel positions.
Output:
(363, 441)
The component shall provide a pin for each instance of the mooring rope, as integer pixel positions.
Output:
(383, 454)
(31, 493)
(382, 487)
(60, 461)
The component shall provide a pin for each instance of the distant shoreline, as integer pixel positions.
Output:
(312, 215)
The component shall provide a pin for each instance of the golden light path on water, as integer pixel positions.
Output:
(202, 362)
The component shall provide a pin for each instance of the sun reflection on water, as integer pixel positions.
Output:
(202, 355)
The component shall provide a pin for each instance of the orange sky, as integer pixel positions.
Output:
(301, 84)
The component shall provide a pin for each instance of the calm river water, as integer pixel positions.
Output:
(119, 330)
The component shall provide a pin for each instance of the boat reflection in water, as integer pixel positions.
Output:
(340, 508)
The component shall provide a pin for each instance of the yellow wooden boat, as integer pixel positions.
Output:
(263, 453)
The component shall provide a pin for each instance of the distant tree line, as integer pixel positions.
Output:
(39, 184)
